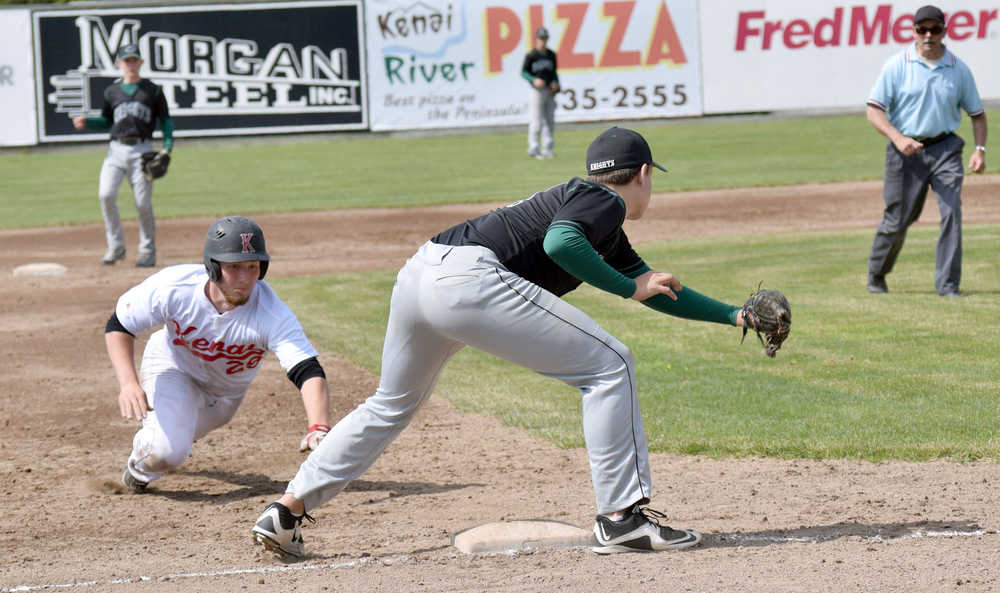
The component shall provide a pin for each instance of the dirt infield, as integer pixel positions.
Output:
(817, 526)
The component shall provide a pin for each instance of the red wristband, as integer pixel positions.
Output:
(320, 427)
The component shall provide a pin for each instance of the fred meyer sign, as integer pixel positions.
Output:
(786, 54)
(253, 68)
(455, 64)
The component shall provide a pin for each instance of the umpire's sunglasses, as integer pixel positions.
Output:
(935, 30)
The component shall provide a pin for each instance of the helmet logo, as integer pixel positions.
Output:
(247, 246)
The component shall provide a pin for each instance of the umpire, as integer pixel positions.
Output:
(131, 109)
(915, 104)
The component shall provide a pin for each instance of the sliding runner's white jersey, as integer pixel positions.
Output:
(221, 351)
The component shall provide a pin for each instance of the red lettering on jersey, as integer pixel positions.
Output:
(238, 357)
(177, 329)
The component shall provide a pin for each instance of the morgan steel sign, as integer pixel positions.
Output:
(224, 69)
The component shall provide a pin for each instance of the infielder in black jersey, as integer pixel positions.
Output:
(131, 110)
(539, 69)
(494, 283)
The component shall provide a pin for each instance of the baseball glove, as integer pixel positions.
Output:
(767, 312)
(154, 164)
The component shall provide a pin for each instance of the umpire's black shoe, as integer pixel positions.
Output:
(877, 285)
(640, 531)
(278, 530)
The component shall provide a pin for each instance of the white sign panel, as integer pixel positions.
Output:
(437, 63)
(17, 97)
(764, 55)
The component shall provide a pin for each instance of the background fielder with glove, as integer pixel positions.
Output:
(494, 283)
(219, 320)
(132, 107)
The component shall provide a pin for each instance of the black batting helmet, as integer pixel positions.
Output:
(234, 239)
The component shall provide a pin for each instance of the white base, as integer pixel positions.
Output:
(41, 269)
(521, 535)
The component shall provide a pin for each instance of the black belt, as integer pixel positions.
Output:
(131, 140)
(931, 140)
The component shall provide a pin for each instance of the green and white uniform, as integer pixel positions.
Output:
(131, 111)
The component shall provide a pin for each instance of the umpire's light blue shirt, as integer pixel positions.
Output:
(922, 102)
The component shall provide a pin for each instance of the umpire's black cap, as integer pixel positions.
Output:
(130, 50)
(542, 33)
(929, 13)
(618, 148)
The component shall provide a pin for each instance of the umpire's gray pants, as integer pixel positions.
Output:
(123, 161)
(446, 297)
(907, 178)
(541, 140)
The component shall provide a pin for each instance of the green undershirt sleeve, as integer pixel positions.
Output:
(528, 76)
(568, 247)
(690, 304)
(97, 123)
(168, 134)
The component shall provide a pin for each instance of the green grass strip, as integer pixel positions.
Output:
(908, 375)
(54, 186)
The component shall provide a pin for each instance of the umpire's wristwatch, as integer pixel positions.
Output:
(982, 148)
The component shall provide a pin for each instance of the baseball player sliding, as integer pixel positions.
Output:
(219, 320)
(494, 283)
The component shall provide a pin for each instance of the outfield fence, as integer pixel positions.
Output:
(384, 65)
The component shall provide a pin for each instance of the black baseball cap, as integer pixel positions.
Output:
(542, 33)
(130, 50)
(618, 148)
(929, 13)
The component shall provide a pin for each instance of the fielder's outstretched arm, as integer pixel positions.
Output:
(569, 248)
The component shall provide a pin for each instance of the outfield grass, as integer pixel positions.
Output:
(904, 376)
(908, 375)
(207, 178)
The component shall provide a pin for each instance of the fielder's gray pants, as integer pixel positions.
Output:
(126, 161)
(543, 122)
(907, 178)
(448, 297)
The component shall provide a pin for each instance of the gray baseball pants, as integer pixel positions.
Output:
(123, 161)
(543, 122)
(907, 178)
(448, 297)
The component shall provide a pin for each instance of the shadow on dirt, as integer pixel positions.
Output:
(400, 489)
(253, 485)
(823, 533)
